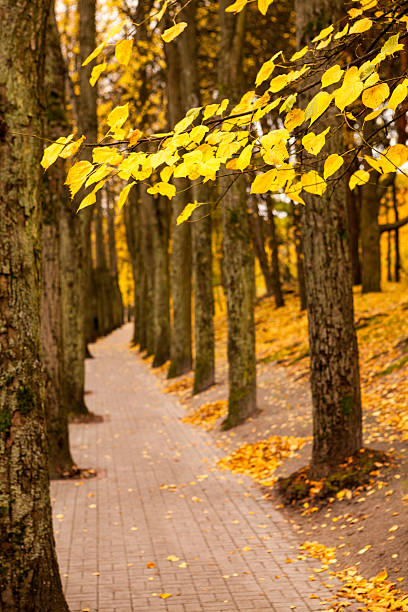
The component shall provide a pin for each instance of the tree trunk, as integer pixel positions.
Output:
(370, 239)
(297, 234)
(29, 576)
(335, 381)
(180, 351)
(354, 228)
(161, 294)
(88, 125)
(258, 241)
(204, 366)
(149, 262)
(238, 259)
(276, 282)
(397, 261)
(117, 303)
(54, 200)
(131, 212)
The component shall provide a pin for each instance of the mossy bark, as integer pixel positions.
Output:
(88, 125)
(161, 294)
(238, 257)
(55, 198)
(180, 350)
(335, 380)
(29, 576)
(240, 294)
(204, 344)
(132, 226)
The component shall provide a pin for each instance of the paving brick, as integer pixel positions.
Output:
(141, 446)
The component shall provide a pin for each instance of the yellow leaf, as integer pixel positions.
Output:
(165, 595)
(209, 110)
(123, 51)
(332, 164)
(293, 193)
(278, 83)
(265, 72)
(263, 6)
(98, 175)
(106, 155)
(323, 33)
(374, 96)
(166, 173)
(364, 550)
(118, 116)
(361, 26)
(94, 54)
(294, 118)
(398, 95)
(373, 115)
(314, 143)
(318, 105)
(332, 75)
(359, 177)
(198, 133)
(72, 148)
(87, 201)
(123, 196)
(172, 33)
(55, 149)
(391, 45)
(342, 33)
(184, 216)
(236, 7)
(173, 557)
(312, 182)
(299, 54)
(96, 73)
(263, 182)
(245, 157)
(160, 14)
(165, 189)
(223, 105)
(394, 157)
(78, 172)
(134, 137)
(374, 163)
(350, 90)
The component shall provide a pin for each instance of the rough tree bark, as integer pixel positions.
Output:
(258, 240)
(55, 199)
(297, 236)
(204, 343)
(116, 296)
(180, 352)
(335, 381)
(132, 225)
(29, 576)
(275, 267)
(237, 251)
(88, 125)
(161, 293)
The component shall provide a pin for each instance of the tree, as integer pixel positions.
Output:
(334, 371)
(55, 199)
(29, 576)
(238, 255)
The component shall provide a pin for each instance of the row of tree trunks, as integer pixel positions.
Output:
(29, 576)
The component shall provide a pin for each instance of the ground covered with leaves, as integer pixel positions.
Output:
(358, 532)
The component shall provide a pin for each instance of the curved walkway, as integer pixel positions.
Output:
(160, 519)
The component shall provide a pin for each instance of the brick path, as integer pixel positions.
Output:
(231, 544)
